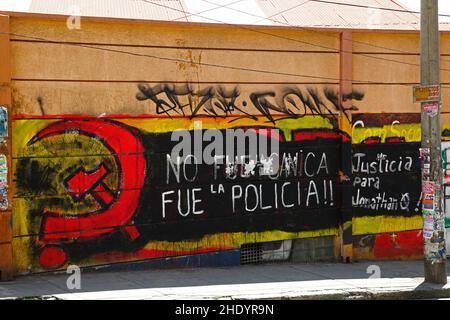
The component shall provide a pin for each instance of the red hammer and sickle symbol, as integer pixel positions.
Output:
(119, 208)
(84, 183)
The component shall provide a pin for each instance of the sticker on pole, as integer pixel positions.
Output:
(426, 93)
(425, 164)
(428, 227)
(428, 202)
(428, 187)
(431, 109)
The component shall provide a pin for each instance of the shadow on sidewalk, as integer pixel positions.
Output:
(329, 273)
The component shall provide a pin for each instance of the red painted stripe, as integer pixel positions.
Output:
(149, 254)
(129, 116)
(402, 244)
(372, 140)
(313, 135)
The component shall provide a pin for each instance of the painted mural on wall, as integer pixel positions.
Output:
(101, 190)
(387, 215)
(377, 170)
(392, 239)
(93, 191)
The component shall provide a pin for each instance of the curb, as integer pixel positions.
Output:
(366, 295)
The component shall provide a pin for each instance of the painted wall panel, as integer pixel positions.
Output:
(385, 68)
(65, 62)
(32, 98)
(380, 42)
(397, 98)
(180, 35)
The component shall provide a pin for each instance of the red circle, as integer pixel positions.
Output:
(52, 257)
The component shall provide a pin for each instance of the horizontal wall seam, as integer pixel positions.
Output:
(395, 53)
(356, 82)
(20, 117)
(177, 82)
(388, 53)
(393, 83)
(175, 47)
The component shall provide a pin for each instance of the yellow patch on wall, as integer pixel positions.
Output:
(385, 224)
(237, 239)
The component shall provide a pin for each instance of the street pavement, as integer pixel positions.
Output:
(395, 280)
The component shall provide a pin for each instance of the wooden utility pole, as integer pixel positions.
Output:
(432, 170)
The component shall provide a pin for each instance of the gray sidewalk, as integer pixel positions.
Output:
(399, 280)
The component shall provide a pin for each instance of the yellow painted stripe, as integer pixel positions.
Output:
(161, 125)
(411, 132)
(384, 224)
(24, 260)
(235, 240)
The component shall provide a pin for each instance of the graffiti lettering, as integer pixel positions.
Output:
(292, 102)
(403, 132)
(377, 168)
(382, 164)
(382, 202)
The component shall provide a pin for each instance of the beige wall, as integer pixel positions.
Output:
(74, 79)
(391, 90)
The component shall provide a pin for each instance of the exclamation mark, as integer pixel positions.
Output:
(419, 202)
(276, 196)
(331, 194)
(325, 191)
